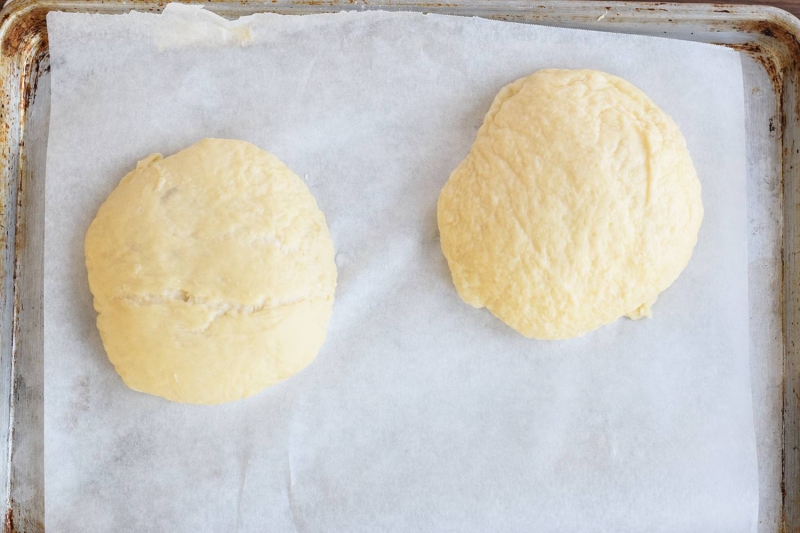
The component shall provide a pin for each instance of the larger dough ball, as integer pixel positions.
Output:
(577, 204)
(212, 272)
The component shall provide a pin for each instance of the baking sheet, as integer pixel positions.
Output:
(420, 413)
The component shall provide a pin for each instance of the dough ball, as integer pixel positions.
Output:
(577, 204)
(212, 273)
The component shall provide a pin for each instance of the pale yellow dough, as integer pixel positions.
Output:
(212, 272)
(577, 204)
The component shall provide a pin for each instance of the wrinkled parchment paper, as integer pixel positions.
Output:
(421, 413)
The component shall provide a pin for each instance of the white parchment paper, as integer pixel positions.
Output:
(420, 413)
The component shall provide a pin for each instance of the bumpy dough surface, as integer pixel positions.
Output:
(212, 272)
(577, 204)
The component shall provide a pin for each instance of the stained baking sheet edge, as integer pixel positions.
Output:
(770, 38)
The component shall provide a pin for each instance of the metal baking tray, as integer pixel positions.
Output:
(769, 39)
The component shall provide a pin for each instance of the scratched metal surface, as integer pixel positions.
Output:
(770, 42)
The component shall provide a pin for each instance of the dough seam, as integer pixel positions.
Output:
(223, 306)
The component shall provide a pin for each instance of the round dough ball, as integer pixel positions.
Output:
(577, 204)
(212, 273)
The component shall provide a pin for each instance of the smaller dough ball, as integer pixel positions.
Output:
(577, 204)
(212, 273)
